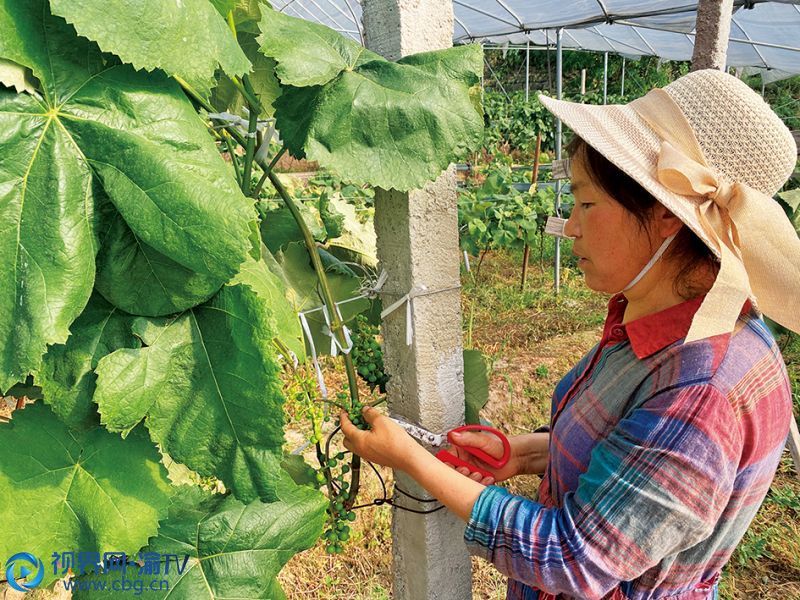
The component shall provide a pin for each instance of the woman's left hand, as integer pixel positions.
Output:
(385, 443)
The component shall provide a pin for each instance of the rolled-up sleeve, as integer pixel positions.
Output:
(656, 485)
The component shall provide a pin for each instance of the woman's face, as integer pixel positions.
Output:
(611, 246)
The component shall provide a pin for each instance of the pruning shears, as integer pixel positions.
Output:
(439, 439)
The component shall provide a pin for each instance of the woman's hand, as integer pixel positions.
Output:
(529, 454)
(385, 443)
(490, 444)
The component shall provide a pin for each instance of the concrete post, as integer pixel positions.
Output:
(712, 30)
(418, 247)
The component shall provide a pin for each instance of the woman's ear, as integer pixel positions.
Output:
(666, 223)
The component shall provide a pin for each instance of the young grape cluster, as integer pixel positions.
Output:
(355, 415)
(367, 354)
(337, 530)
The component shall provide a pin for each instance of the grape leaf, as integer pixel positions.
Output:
(206, 384)
(279, 227)
(16, 76)
(234, 550)
(393, 125)
(272, 290)
(188, 39)
(139, 138)
(138, 279)
(62, 490)
(356, 242)
(476, 385)
(67, 376)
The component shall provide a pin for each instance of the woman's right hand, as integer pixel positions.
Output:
(529, 454)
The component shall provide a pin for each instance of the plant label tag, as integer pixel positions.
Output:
(561, 169)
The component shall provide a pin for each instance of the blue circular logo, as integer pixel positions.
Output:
(27, 564)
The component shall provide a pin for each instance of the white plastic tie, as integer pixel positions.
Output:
(336, 346)
(227, 117)
(372, 289)
(263, 149)
(320, 379)
(408, 300)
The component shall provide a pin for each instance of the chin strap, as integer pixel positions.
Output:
(659, 253)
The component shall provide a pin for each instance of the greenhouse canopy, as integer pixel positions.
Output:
(765, 35)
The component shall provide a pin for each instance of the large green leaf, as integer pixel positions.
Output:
(135, 134)
(476, 385)
(67, 376)
(61, 490)
(394, 125)
(137, 278)
(46, 243)
(357, 242)
(272, 290)
(188, 38)
(234, 550)
(207, 386)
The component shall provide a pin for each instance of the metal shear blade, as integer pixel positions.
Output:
(421, 434)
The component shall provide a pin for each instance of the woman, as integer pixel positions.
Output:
(665, 437)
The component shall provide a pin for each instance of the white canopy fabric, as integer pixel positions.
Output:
(764, 34)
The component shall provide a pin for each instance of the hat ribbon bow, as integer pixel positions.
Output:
(755, 240)
(716, 204)
(757, 245)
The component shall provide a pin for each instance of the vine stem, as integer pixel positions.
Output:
(255, 109)
(260, 184)
(195, 95)
(232, 154)
(336, 323)
(250, 148)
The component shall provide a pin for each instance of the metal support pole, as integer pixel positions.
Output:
(622, 85)
(605, 77)
(559, 65)
(549, 79)
(527, 70)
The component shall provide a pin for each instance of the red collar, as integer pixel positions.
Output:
(656, 331)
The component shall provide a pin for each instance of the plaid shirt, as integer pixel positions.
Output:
(660, 455)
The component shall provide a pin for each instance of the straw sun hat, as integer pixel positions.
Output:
(712, 151)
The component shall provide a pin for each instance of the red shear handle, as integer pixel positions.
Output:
(495, 463)
(447, 457)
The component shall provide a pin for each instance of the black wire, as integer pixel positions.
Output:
(397, 487)
(393, 502)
